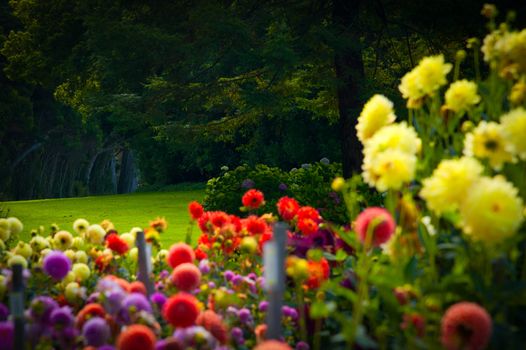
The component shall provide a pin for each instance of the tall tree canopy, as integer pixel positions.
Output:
(182, 87)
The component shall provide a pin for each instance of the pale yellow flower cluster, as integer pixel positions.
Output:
(390, 156)
(499, 143)
(461, 96)
(376, 113)
(424, 80)
(506, 51)
(490, 208)
(447, 187)
(488, 140)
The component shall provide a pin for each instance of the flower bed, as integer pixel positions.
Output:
(441, 264)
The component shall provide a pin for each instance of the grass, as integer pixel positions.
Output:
(125, 211)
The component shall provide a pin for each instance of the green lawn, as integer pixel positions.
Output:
(125, 211)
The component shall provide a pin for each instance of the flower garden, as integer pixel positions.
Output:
(433, 254)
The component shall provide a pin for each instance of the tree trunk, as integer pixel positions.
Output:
(349, 69)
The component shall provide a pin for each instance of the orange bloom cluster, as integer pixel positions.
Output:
(222, 231)
(319, 271)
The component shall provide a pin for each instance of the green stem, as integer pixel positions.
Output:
(189, 231)
(362, 270)
(301, 306)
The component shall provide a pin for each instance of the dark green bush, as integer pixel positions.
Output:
(310, 185)
(224, 192)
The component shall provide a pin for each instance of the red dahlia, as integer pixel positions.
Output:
(466, 325)
(180, 253)
(287, 208)
(196, 210)
(116, 244)
(136, 337)
(181, 310)
(253, 199)
(383, 221)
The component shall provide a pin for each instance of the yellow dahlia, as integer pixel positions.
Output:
(492, 210)
(396, 136)
(410, 90)
(446, 189)
(62, 240)
(462, 95)
(514, 125)
(488, 140)
(389, 169)
(376, 113)
(432, 73)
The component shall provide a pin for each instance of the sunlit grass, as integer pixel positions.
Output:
(125, 211)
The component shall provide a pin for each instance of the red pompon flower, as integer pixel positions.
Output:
(181, 310)
(272, 345)
(136, 337)
(200, 254)
(307, 212)
(117, 244)
(384, 229)
(287, 208)
(186, 277)
(307, 226)
(89, 311)
(319, 272)
(255, 225)
(213, 323)
(264, 238)
(253, 199)
(196, 210)
(203, 222)
(466, 325)
(236, 222)
(137, 287)
(219, 218)
(180, 253)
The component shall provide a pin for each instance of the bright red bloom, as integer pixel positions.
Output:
(383, 230)
(186, 277)
(219, 218)
(213, 323)
(181, 310)
(116, 244)
(196, 210)
(203, 222)
(307, 212)
(236, 222)
(200, 254)
(287, 208)
(136, 337)
(253, 199)
(264, 238)
(180, 253)
(319, 271)
(255, 225)
(89, 311)
(137, 287)
(307, 226)
(272, 345)
(466, 325)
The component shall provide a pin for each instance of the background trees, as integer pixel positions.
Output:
(99, 94)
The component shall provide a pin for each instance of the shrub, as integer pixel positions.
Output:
(224, 192)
